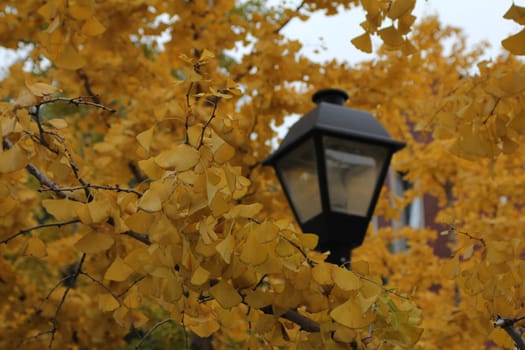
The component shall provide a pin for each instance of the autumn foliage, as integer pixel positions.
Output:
(134, 207)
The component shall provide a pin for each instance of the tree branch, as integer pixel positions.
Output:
(116, 188)
(285, 23)
(106, 288)
(138, 236)
(77, 101)
(87, 85)
(27, 230)
(148, 333)
(72, 164)
(304, 322)
(130, 286)
(507, 324)
(40, 176)
(208, 123)
(54, 320)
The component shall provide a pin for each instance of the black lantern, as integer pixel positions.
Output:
(331, 165)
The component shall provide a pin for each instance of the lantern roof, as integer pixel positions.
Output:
(330, 116)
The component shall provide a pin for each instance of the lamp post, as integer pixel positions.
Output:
(331, 165)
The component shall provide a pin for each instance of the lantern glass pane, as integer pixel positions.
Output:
(298, 171)
(352, 170)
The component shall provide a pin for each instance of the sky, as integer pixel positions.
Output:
(482, 20)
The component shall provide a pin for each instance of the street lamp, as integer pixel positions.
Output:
(331, 165)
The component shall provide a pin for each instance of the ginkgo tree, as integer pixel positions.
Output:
(134, 203)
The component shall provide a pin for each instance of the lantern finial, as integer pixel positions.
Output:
(335, 96)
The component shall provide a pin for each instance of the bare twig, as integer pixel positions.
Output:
(151, 330)
(208, 123)
(130, 286)
(87, 85)
(300, 249)
(138, 236)
(54, 320)
(136, 172)
(27, 230)
(77, 101)
(507, 324)
(116, 188)
(188, 94)
(187, 121)
(304, 322)
(106, 288)
(285, 23)
(73, 165)
(36, 116)
(38, 310)
(481, 240)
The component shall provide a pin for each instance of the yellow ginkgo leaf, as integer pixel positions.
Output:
(349, 315)
(225, 294)
(182, 157)
(224, 153)
(62, 209)
(150, 201)
(450, 268)
(400, 7)
(194, 134)
(127, 318)
(35, 247)
(151, 169)
(202, 326)
(257, 298)
(173, 289)
(501, 337)
(245, 210)
(99, 210)
(309, 240)
(345, 279)
(515, 43)
(200, 276)
(81, 10)
(499, 251)
(93, 27)
(391, 37)
(140, 222)
(12, 159)
(41, 89)
(69, 59)
(206, 55)
(145, 138)
(253, 252)
(225, 248)
(58, 123)
(322, 273)
(118, 271)
(48, 11)
(106, 302)
(363, 42)
(515, 13)
(133, 298)
(25, 98)
(468, 251)
(513, 82)
(94, 242)
(266, 232)
(361, 267)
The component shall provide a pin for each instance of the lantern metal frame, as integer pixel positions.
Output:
(338, 232)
